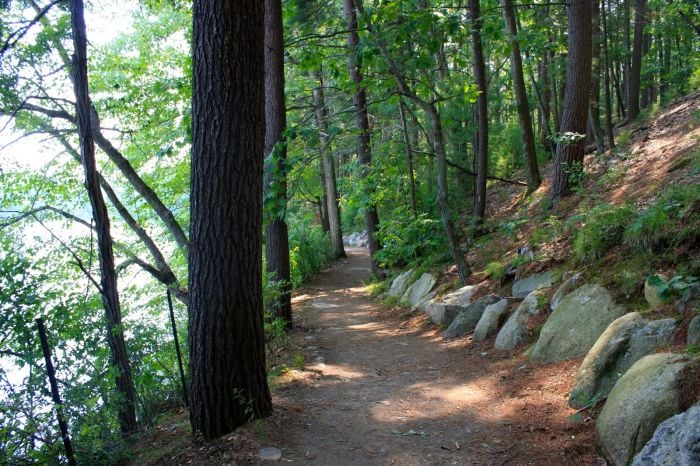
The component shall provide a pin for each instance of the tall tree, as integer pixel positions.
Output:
(364, 154)
(516, 68)
(277, 234)
(328, 168)
(635, 76)
(108, 283)
(482, 138)
(228, 383)
(594, 111)
(606, 76)
(569, 156)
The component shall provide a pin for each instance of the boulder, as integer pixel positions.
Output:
(522, 288)
(567, 287)
(676, 442)
(443, 313)
(419, 290)
(571, 330)
(623, 343)
(422, 305)
(651, 291)
(694, 332)
(491, 319)
(644, 397)
(515, 331)
(467, 319)
(400, 283)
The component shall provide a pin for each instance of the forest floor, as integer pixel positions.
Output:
(375, 385)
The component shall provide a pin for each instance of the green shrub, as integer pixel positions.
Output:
(309, 251)
(404, 240)
(599, 229)
(496, 271)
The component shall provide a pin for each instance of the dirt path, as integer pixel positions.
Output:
(377, 390)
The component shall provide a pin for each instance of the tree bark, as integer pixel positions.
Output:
(108, 282)
(575, 112)
(364, 154)
(594, 112)
(409, 159)
(482, 152)
(228, 384)
(636, 69)
(516, 66)
(608, 99)
(277, 234)
(332, 209)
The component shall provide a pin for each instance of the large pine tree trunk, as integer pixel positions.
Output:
(108, 282)
(636, 68)
(608, 99)
(277, 236)
(482, 112)
(516, 66)
(578, 81)
(332, 208)
(228, 383)
(595, 80)
(364, 154)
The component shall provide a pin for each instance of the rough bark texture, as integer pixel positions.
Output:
(277, 234)
(228, 385)
(108, 281)
(636, 68)
(596, 127)
(409, 159)
(332, 209)
(516, 66)
(482, 148)
(608, 99)
(364, 154)
(575, 111)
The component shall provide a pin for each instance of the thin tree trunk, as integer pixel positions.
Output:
(276, 235)
(364, 154)
(596, 127)
(516, 66)
(108, 282)
(575, 115)
(636, 70)
(332, 209)
(608, 99)
(228, 384)
(482, 108)
(409, 159)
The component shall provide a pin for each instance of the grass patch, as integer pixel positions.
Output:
(496, 271)
(598, 230)
(376, 288)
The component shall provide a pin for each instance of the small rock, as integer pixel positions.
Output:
(492, 318)
(400, 283)
(270, 454)
(651, 291)
(515, 331)
(694, 332)
(469, 317)
(419, 290)
(524, 287)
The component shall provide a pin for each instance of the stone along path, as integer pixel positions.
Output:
(377, 389)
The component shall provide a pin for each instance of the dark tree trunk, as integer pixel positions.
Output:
(108, 282)
(665, 70)
(409, 159)
(332, 209)
(608, 100)
(596, 127)
(277, 235)
(228, 383)
(636, 69)
(575, 114)
(482, 111)
(364, 154)
(545, 109)
(516, 66)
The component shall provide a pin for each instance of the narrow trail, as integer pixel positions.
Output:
(377, 389)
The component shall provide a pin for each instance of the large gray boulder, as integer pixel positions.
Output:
(694, 332)
(644, 397)
(400, 283)
(491, 319)
(419, 290)
(676, 442)
(515, 331)
(443, 313)
(522, 288)
(623, 343)
(571, 330)
(567, 287)
(469, 317)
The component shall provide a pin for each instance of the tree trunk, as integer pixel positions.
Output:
(332, 209)
(575, 115)
(364, 154)
(596, 127)
(409, 159)
(277, 235)
(636, 70)
(482, 103)
(108, 282)
(608, 100)
(228, 383)
(516, 66)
